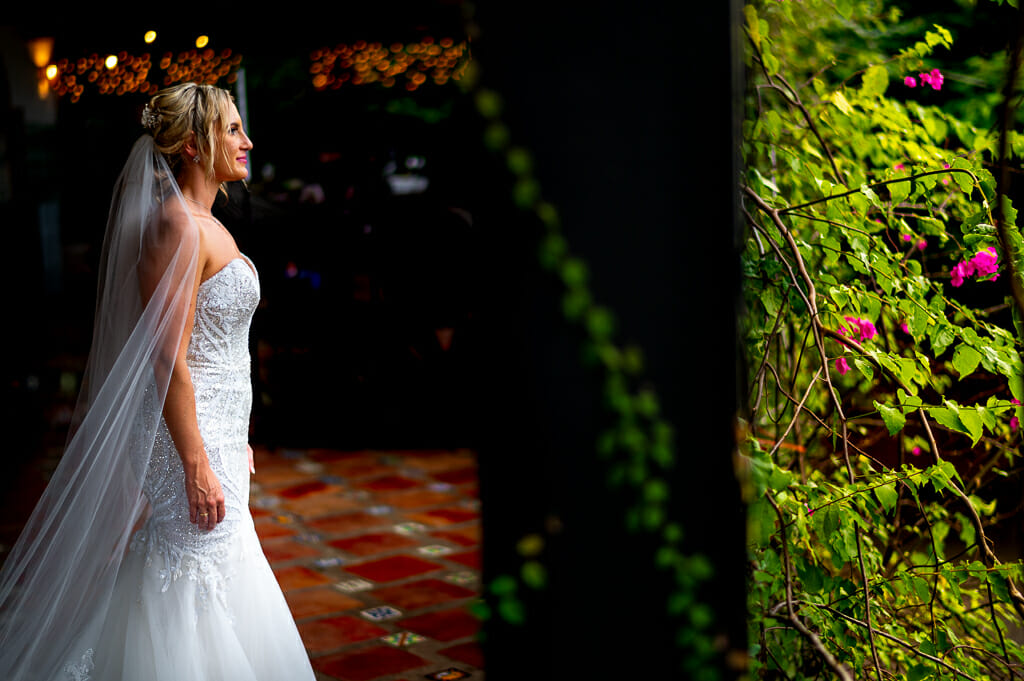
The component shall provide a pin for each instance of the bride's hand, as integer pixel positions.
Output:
(205, 496)
(252, 463)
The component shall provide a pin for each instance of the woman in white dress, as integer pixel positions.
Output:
(141, 561)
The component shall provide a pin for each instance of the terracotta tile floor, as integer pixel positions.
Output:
(378, 555)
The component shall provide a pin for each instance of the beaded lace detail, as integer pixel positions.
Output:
(220, 364)
(81, 670)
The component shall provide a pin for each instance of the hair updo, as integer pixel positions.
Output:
(176, 113)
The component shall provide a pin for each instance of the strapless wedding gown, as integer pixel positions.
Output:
(193, 605)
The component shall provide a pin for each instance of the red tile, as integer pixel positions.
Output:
(268, 529)
(356, 468)
(468, 653)
(460, 476)
(415, 498)
(422, 593)
(393, 568)
(345, 523)
(369, 663)
(319, 505)
(280, 549)
(470, 559)
(299, 577)
(443, 625)
(302, 489)
(468, 536)
(444, 516)
(372, 543)
(321, 600)
(331, 633)
(388, 483)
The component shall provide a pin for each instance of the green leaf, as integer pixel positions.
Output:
(875, 81)
(893, 417)
(887, 496)
(965, 360)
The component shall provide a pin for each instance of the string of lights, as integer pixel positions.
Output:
(411, 64)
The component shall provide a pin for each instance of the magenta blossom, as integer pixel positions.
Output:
(910, 81)
(986, 261)
(841, 366)
(1014, 422)
(933, 78)
(982, 263)
(862, 326)
(916, 451)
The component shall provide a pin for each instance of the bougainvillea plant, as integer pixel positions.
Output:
(882, 339)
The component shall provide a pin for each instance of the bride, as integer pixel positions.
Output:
(141, 562)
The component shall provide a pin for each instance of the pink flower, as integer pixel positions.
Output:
(922, 244)
(959, 272)
(905, 328)
(841, 366)
(910, 81)
(916, 451)
(862, 326)
(908, 237)
(899, 166)
(1014, 422)
(933, 78)
(986, 261)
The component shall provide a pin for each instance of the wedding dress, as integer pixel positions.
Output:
(189, 603)
(110, 581)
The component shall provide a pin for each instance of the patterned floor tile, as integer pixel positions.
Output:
(363, 544)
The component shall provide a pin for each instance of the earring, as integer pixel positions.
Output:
(195, 159)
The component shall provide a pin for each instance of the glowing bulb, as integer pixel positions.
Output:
(150, 36)
(52, 71)
(202, 41)
(110, 62)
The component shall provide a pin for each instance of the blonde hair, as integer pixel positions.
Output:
(184, 112)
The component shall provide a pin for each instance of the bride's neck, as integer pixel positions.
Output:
(195, 186)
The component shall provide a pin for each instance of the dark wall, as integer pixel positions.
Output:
(628, 112)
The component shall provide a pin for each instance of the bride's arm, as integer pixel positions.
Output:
(205, 496)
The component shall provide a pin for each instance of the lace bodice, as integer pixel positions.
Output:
(219, 362)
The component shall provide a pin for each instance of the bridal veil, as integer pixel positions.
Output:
(56, 584)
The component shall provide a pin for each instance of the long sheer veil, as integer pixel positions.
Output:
(56, 584)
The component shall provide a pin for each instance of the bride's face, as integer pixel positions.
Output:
(233, 147)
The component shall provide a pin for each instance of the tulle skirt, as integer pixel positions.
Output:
(160, 629)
